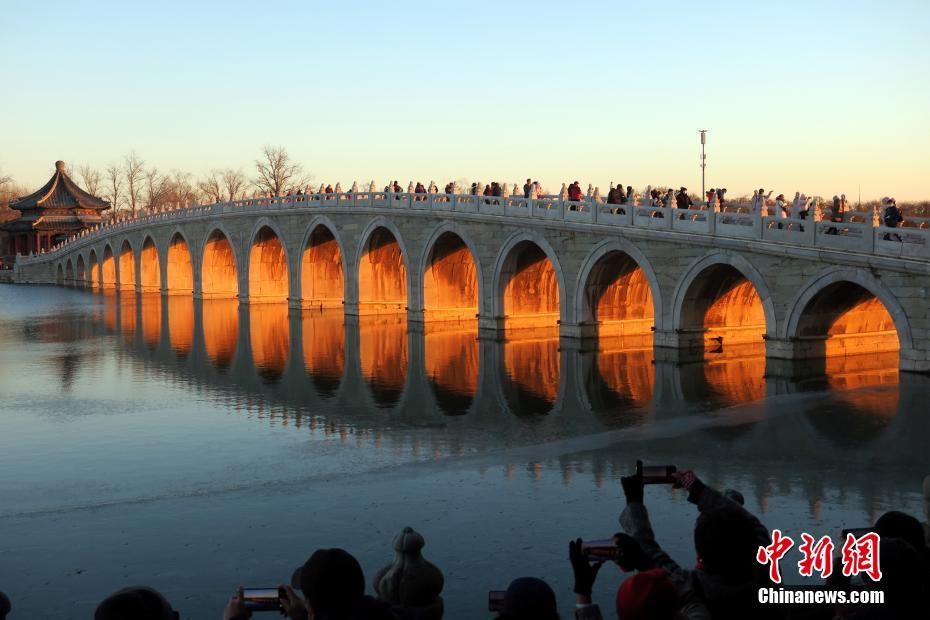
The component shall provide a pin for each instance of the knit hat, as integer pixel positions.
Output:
(648, 595)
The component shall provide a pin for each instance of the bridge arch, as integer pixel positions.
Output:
(126, 274)
(93, 270)
(268, 263)
(59, 275)
(382, 266)
(108, 268)
(69, 273)
(844, 311)
(528, 281)
(450, 274)
(179, 272)
(617, 289)
(80, 271)
(149, 266)
(322, 268)
(219, 266)
(725, 298)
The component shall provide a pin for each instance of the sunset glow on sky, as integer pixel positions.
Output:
(819, 97)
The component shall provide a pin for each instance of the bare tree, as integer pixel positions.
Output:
(211, 187)
(180, 189)
(90, 178)
(233, 183)
(134, 170)
(114, 190)
(156, 189)
(277, 172)
(4, 179)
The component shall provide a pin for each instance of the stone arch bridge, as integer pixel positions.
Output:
(697, 281)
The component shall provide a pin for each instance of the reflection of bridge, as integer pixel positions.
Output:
(700, 280)
(372, 374)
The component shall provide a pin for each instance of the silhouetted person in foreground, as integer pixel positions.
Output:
(135, 603)
(333, 587)
(529, 598)
(5, 606)
(726, 539)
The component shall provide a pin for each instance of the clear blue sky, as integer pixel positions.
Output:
(817, 97)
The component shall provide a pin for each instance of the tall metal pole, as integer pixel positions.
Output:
(703, 160)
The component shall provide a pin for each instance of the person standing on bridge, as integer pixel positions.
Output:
(682, 199)
(528, 189)
(892, 216)
(574, 192)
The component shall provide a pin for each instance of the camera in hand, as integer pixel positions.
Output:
(262, 599)
(496, 600)
(605, 550)
(657, 474)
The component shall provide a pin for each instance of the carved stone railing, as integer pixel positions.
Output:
(861, 231)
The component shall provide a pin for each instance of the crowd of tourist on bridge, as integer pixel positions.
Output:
(789, 214)
(801, 207)
(729, 542)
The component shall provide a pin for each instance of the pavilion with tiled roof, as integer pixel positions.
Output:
(52, 214)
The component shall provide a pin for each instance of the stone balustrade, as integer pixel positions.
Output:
(861, 231)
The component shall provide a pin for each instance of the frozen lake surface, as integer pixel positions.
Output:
(197, 446)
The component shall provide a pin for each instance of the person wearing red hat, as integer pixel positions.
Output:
(649, 595)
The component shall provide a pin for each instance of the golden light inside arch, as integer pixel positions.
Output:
(218, 273)
(127, 268)
(94, 272)
(267, 268)
(450, 284)
(725, 305)
(180, 272)
(322, 282)
(382, 275)
(80, 274)
(531, 288)
(149, 267)
(108, 270)
(618, 297)
(846, 319)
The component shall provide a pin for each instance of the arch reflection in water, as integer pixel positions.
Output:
(220, 330)
(383, 356)
(859, 406)
(726, 380)
(620, 383)
(452, 364)
(269, 337)
(531, 373)
(181, 324)
(127, 315)
(324, 342)
(150, 309)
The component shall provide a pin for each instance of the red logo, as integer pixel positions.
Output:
(860, 555)
(773, 553)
